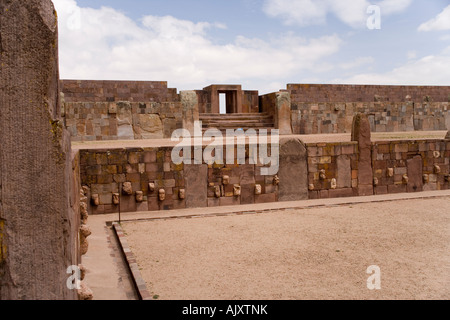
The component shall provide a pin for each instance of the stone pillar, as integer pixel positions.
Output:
(38, 225)
(283, 113)
(293, 172)
(361, 134)
(189, 101)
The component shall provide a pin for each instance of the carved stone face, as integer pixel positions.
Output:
(311, 187)
(390, 172)
(139, 196)
(276, 180)
(226, 180)
(182, 194)
(405, 179)
(258, 189)
(217, 191)
(151, 187)
(237, 190)
(162, 194)
(333, 184)
(375, 181)
(426, 178)
(127, 189)
(116, 199)
(437, 169)
(95, 200)
(322, 174)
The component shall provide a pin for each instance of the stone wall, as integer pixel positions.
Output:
(96, 121)
(330, 108)
(137, 176)
(395, 169)
(327, 170)
(114, 91)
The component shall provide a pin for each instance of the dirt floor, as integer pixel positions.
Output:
(320, 253)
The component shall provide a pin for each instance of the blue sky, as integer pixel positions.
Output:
(261, 44)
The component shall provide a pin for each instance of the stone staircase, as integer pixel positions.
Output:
(235, 121)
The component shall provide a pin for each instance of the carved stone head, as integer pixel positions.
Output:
(162, 194)
(258, 189)
(116, 199)
(151, 187)
(182, 194)
(226, 180)
(139, 196)
(237, 190)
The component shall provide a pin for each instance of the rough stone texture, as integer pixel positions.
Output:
(150, 127)
(293, 171)
(361, 134)
(39, 205)
(189, 103)
(448, 135)
(283, 114)
(196, 181)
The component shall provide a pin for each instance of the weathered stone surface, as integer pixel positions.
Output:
(127, 188)
(196, 183)
(283, 115)
(293, 172)
(189, 102)
(415, 174)
(361, 134)
(40, 232)
(344, 172)
(150, 126)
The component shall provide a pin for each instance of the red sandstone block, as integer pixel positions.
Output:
(397, 188)
(381, 190)
(323, 194)
(265, 198)
(340, 193)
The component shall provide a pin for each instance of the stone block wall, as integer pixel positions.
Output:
(144, 172)
(395, 168)
(114, 91)
(96, 121)
(332, 170)
(330, 108)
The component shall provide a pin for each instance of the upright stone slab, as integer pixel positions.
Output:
(283, 113)
(189, 102)
(196, 182)
(361, 134)
(38, 227)
(415, 174)
(293, 172)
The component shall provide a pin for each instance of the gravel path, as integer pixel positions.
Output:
(320, 253)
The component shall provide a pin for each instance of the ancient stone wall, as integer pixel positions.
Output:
(96, 121)
(137, 176)
(114, 91)
(322, 170)
(330, 108)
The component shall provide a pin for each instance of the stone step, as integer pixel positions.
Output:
(237, 124)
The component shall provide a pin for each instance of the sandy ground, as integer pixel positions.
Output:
(319, 253)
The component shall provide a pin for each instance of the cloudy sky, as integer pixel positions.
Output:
(261, 44)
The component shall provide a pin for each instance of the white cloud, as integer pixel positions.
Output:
(314, 12)
(357, 63)
(440, 22)
(429, 70)
(106, 44)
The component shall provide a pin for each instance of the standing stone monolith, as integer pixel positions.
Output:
(293, 172)
(38, 224)
(361, 134)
